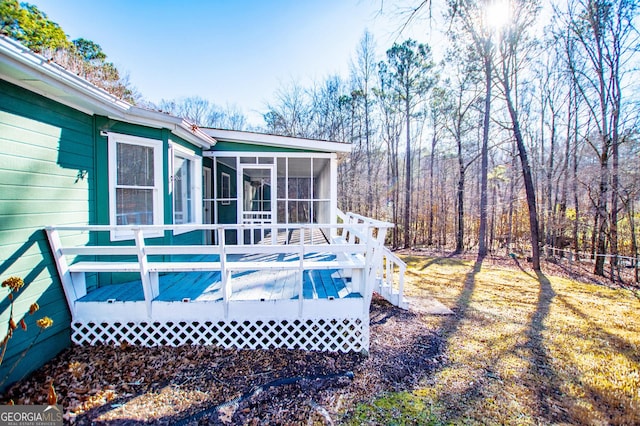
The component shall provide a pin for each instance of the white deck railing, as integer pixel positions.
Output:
(390, 269)
(391, 278)
(357, 246)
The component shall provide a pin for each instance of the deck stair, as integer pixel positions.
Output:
(390, 281)
(390, 272)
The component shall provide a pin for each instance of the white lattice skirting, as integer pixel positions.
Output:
(332, 335)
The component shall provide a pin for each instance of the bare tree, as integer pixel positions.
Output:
(289, 115)
(409, 72)
(391, 129)
(605, 40)
(205, 113)
(461, 98)
(513, 47)
(471, 17)
(363, 72)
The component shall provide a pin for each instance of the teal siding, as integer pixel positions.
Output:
(46, 178)
(54, 171)
(102, 184)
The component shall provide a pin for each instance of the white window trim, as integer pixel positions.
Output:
(176, 150)
(158, 177)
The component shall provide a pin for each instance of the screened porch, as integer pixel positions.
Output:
(253, 188)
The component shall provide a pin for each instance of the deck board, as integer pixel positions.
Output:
(268, 284)
(125, 292)
(191, 285)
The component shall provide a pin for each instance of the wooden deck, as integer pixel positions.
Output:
(269, 284)
(297, 286)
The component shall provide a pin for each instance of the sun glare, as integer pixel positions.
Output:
(497, 14)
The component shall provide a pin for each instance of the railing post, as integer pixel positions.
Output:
(73, 289)
(149, 284)
(225, 276)
(301, 273)
(352, 236)
(388, 279)
(402, 271)
(366, 272)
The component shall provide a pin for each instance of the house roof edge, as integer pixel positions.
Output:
(277, 141)
(32, 71)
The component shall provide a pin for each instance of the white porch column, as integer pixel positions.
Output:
(333, 164)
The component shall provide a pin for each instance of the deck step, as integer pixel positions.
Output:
(392, 296)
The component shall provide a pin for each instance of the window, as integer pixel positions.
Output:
(135, 182)
(186, 186)
(303, 193)
(225, 186)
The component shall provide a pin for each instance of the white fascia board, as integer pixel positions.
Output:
(180, 127)
(277, 141)
(29, 70)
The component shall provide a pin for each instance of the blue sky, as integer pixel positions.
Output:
(230, 52)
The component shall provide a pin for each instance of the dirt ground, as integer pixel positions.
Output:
(205, 385)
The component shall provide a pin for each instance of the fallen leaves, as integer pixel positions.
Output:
(511, 354)
(52, 398)
(166, 385)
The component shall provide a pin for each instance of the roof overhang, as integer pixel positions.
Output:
(263, 139)
(31, 71)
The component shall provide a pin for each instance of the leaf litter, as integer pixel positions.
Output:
(518, 350)
(209, 385)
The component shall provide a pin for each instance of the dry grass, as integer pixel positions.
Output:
(524, 348)
(521, 348)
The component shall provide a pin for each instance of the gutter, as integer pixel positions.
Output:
(80, 94)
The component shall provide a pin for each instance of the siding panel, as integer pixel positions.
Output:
(46, 178)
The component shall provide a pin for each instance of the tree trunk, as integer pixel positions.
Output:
(615, 117)
(634, 241)
(484, 161)
(512, 189)
(562, 213)
(396, 197)
(368, 149)
(492, 227)
(526, 175)
(431, 161)
(550, 207)
(407, 186)
(594, 236)
(604, 155)
(460, 197)
(601, 213)
(613, 227)
(574, 181)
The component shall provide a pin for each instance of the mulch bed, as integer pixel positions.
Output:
(207, 385)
